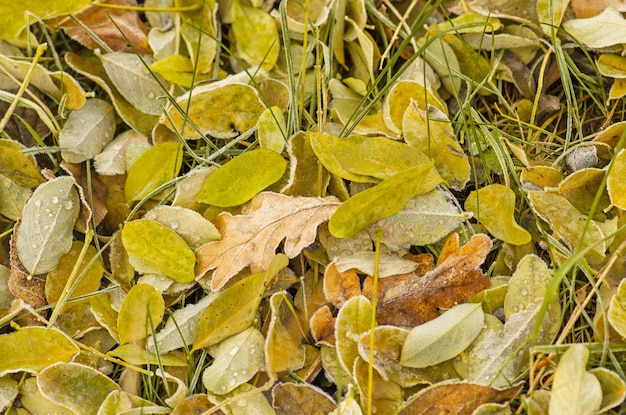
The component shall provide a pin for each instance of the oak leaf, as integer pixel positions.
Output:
(412, 299)
(250, 239)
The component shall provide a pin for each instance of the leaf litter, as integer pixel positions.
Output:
(277, 208)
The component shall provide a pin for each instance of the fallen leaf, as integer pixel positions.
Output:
(141, 312)
(252, 237)
(32, 400)
(188, 224)
(80, 388)
(322, 326)
(45, 231)
(22, 350)
(617, 310)
(378, 202)
(14, 20)
(615, 181)
(12, 198)
(410, 300)
(258, 47)
(353, 319)
(155, 248)
(284, 346)
(386, 396)
(200, 32)
(242, 178)
(236, 360)
(205, 110)
(152, 169)
(272, 132)
(137, 355)
(444, 337)
(613, 388)
(399, 98)
(17, 167)
(494, 207)
(119, 28)
(305, 399)
(305, 176)
(456, 398)
(575, 390)
(365, 262)
(581, 187)
(604, 30)
(587, 8)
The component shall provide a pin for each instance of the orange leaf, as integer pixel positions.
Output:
(412, 299)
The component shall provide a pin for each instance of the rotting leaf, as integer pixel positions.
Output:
(494, 207)
(156, 248)
(22, 350)
(458, 398)
(239, 180)
(207, 112)
(411, 299)
(77, 387)
(284, 349)
(291, 398)
(152, 169)
(45, 231)
(378, 202)
(231, 312)
(252, 237)
(236, 360)
(142, 310)
(444, 337)
(575, 390)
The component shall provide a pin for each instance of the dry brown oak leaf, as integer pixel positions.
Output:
(251, 238)
(409, 300)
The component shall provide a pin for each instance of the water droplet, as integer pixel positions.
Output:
(55, 200)
(252, 351)
(482, 354)
(231, 382)
(47, 210)
(524, 292)
(38, 203)
(235, 373)
(223, 387)
(151, 95)
(487, 377)
(34, 246)
(234, 350)
(242, 402)
(174, 225)
(244, 371)
(68, 204)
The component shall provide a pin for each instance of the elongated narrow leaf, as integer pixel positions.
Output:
(45, 233)
(152, 169)
(494, 207)
(231, 312)
(444, 337)
(378, 202)
(155, 248)
(141, 311)
(239, 180)
(23, 350)
(77, 387)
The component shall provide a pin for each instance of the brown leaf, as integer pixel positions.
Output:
(339, 287)
(292, 399)
(457, 398)
(322, 324)
(251, 239)
(412, 299)
(590, 8)
(97, 206)
(107, 23)
(29, 288)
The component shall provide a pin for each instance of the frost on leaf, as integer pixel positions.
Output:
(250, 239)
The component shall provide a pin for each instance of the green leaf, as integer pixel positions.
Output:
(189, 224)
(443, 338)
(22, 350)
(236, 360)
(45, 233)
(353, 319)
(16, 166)
(209, 114)
(87, 130)
(142, 310)
(378, 202)
(152, 169)
(231, 312)
(432, 132)
(79, 388)
(574, 390)
(155, 248)
(13, 17)
(615, 183)
(256, 35)
(494, 207)
(242, 178)
(367, 159)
